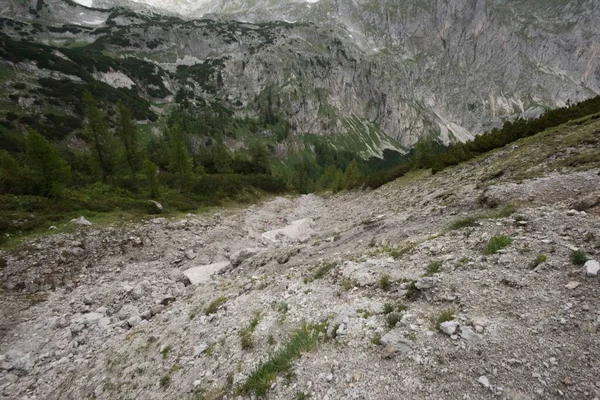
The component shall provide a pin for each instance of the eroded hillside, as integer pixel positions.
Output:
(346, 296)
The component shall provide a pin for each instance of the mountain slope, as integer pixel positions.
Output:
(396, 70)
(108, 312)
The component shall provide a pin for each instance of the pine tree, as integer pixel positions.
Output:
(10, 174)
(259, 156)
(180, 162)
(150, 172)
(51, 173)
(97, 131)
(352, 176)
(222, 159)
(127, 133)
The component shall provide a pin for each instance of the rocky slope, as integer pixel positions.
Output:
(381, 71)
(111, 312)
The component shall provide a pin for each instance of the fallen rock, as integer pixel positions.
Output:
(141, 289)
(468, 333)
(242, 255)
(484, 381)
(134, 321)
(155, 207)
(299, 231)
(203, 273)
(592, 267)
(427, 282)
(200, 349)
(587, 202)
(572, 285)
(81, 221)
(449, 327)
(397, 341)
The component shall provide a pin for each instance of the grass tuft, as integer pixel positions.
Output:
(496, 244)
(433, 268)
(214, 305)
(302, 340)
(385, 282)
(578, 257)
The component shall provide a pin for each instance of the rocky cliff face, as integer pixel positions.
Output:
(383, 70)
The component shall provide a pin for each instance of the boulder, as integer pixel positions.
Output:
(592, 267)
(204, 273)
(242, 255)
(155, 207)
(397, 341)
(587, 202)
(81, 221)
(427, 282)
(299, 231)
(449, 327)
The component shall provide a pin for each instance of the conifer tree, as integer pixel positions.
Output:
(96, 130)
(352, 176)
(50, 172)
(127, 133)
(180, 162)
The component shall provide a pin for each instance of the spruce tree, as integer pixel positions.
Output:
(180, 162)
(127, 133)
(352, 176)
(150, 173)
(50, 172)
(96, 130)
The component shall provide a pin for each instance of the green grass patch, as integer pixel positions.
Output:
(537, 261)
(433, 268)
(214, 305)
(496, 244)
(320, 271)
(385, 282)
(300, 341)
(578, 257)
(247, 341)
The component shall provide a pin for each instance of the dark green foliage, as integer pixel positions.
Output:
(260, 380)
(126, 131)
(578, 257)
(96, 129)
(444, 316)
(180, 162)
(49, 172)
(352, 176)
(496, 244)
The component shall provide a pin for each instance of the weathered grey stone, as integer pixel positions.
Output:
(592, 267)
(395, 339)
(242, 255)
(204, 273)
(449, 327)
(81, 221)
(134, 321)
(427, 282)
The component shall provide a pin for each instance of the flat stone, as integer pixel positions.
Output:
(299, 230)
(81, 221)
(203, 273)
(468, 333)
(592, 267)
(572, 285)
(200, 349)
(396, 340)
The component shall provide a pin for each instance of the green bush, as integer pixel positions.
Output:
(578, 257)
(496, 244)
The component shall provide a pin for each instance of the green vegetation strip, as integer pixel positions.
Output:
(303, 340)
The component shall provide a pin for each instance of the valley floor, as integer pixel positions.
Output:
(108, 313)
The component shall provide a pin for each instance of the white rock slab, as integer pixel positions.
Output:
(204, 273)
(299, 230)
